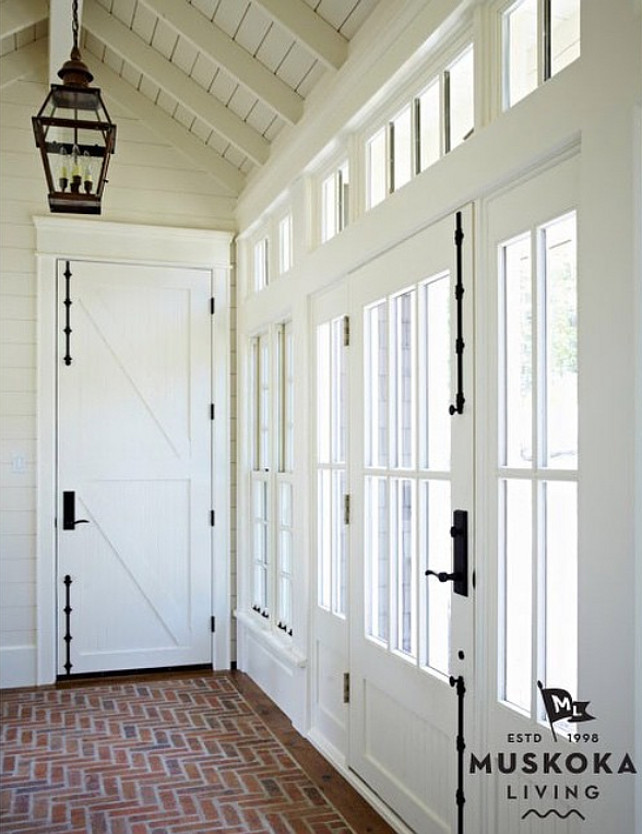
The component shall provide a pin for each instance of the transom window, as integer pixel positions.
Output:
(539, 38)
(335, 190)
(285, 244)
(261, 264)
(437, 120)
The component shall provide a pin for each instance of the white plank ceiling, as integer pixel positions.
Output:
(227, 74)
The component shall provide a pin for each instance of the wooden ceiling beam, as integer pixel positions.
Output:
(115, 35)
(225, 52)
(311, 29)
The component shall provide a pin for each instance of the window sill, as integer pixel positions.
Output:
(281, 646)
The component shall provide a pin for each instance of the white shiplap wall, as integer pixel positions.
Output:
(150, 183)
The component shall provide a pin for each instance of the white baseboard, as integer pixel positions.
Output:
(17, 666)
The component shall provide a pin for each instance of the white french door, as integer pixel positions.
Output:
(134, 467)
(412, 468)
(536, 586)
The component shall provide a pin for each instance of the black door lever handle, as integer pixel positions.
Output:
(459, 535)
(69, 520)
(442, 576)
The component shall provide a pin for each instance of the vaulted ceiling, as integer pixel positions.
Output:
(220, 79)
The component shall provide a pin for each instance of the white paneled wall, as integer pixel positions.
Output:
(150, 183)
(20, 196)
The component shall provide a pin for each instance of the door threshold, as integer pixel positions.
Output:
(133, 674)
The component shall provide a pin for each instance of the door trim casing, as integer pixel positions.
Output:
(74, 239)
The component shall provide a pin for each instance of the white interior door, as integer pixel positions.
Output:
(409, 633)
(134, 450)
(330, 608)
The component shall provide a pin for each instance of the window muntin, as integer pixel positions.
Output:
(539, 39)
(332, 465)
(538, 465)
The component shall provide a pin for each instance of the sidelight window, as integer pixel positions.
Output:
(538, 461)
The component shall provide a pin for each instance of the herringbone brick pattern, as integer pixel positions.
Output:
(155, 757)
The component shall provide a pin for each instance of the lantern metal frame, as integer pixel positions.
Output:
(66, 113)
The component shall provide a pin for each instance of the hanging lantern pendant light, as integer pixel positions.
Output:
(75, 136)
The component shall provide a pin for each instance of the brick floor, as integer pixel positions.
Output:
(164, 756)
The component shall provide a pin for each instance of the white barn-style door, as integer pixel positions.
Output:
(410, 634)
(134, 453)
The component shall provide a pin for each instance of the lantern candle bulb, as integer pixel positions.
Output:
(76, 175)
(88, 180)
(63, 172)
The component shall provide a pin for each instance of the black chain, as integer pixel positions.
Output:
(74, 22)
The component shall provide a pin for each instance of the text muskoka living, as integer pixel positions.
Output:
(574, 763)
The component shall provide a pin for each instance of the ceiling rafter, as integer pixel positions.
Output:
(168, 129)
(174, 81)
(324, 42)
(19, 14)
(224, 51)
(22, 62)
